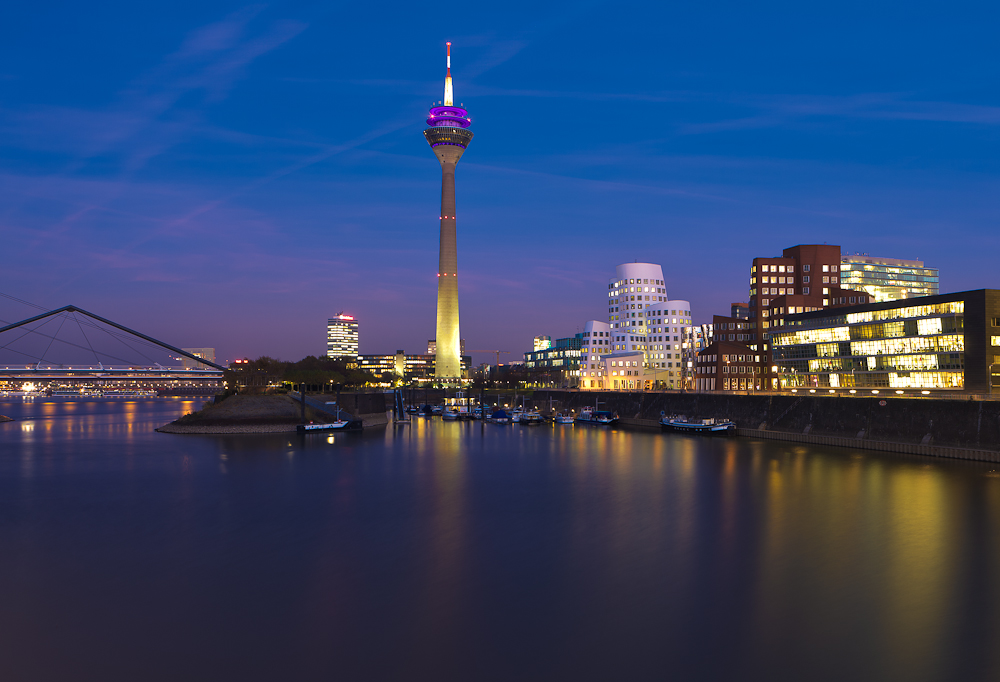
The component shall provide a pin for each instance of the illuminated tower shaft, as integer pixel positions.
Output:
(448, 135)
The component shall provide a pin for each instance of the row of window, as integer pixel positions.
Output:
(944, 380)
(615, 285)
(791, 268)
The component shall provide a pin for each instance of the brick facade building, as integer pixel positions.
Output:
(725, 366)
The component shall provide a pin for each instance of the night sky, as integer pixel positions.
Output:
(230, 175)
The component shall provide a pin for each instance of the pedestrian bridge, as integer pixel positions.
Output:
(70, 347)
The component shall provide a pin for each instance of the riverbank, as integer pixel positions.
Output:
(5, 419)
(938, 428)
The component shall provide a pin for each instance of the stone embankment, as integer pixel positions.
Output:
(967, 429)
(371, 409)
(280, 413)
(245, 414)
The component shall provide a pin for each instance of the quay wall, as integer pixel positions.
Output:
(948, 428)
(372, 409)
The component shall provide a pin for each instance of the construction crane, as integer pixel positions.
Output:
(495, 352)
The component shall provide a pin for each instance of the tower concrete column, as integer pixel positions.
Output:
(448, 135)
(448, 361)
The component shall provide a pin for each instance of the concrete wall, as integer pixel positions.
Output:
(953, 423)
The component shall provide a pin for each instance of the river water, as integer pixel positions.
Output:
(462, 551)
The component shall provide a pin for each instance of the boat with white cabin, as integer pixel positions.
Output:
(709, 426)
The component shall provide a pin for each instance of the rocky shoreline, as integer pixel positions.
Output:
(5, 419)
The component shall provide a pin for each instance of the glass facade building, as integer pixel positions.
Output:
(342, 337)
(408, 368)
(947, 342)
(888, 279)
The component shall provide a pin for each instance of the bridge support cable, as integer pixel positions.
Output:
(84, 334)
(131, 348)
(154, 344)
(29, 331)
(37, 331)
(53, 339)
(132, 332)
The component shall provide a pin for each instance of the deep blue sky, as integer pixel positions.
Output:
(228, 175)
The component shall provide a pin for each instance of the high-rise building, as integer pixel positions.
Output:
(888, 279)
(342, 337)
(448, 135)
(804, 278)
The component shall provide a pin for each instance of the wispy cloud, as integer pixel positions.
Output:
(162, 107)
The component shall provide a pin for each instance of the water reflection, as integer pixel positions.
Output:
(475, 551)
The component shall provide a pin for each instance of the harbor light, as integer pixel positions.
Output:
(853, 391)
(899, 393)
(812, 390)
(926, 392)
(875, 392)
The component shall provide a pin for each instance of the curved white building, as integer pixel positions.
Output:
(644, 333)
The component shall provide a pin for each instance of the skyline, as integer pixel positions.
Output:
(238, 180)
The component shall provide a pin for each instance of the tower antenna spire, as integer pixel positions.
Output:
(449, 96)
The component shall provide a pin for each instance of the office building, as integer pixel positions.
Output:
(643, 319)
(804, 278)
(695, 339)
(563, 356)
(342, 337)
(448, 135)
(203, 353)
(727, 366)
(595, 346)
(411, 369)
(943, 343)
(542, 342)
(888, 279)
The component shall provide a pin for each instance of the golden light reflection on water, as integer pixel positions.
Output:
(853, 529)
(815, 548)
(918, 580)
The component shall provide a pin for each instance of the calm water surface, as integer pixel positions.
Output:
(450, 551)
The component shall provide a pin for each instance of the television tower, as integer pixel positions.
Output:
(448, 135)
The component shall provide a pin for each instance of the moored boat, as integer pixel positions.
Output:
(458, 406)
(705, 426)
(338, 425)
(531, 417)
(601, 417)
(499, 417)
(563, 418)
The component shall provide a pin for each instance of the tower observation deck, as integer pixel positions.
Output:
(448, 135)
